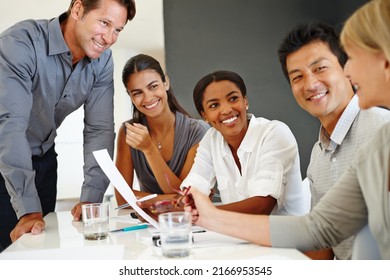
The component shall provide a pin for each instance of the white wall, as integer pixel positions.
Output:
(144, 34)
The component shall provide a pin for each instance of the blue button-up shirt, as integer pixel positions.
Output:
(39, 87)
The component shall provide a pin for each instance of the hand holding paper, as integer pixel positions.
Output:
(117, 180)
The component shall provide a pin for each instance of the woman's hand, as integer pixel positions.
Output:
(138, 137)
(199, 205)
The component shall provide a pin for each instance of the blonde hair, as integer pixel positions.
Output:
(369, 27)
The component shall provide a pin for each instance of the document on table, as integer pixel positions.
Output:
(120, 184)
(207, 238)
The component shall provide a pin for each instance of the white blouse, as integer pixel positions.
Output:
(269, 161)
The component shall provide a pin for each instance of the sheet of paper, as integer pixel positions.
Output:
(120, 184)
(207, 238)
(211, 238)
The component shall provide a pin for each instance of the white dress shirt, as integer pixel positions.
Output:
(269, 160)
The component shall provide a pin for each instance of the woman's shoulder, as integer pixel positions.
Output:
(194, 123)
(267, 123)
(199, 123)
(378, 143)
(261, 127)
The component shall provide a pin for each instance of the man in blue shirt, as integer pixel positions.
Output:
(48, 69)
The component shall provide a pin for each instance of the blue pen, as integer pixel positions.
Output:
(140, 226)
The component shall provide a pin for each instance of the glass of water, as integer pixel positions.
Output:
(95, 220)
(176, 235)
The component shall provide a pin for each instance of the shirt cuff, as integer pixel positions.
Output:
(27, 205)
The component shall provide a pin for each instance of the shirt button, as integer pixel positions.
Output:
(333, 159)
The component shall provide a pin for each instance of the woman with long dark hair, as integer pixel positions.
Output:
(159, 143)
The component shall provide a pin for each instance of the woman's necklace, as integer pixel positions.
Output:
(159, 143)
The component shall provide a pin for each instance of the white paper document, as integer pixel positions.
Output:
(120, 184)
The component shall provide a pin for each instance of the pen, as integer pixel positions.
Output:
(147, 197)
(139, 200)
(140, 226)
(183, 194)
(122, 206)
(199, 231)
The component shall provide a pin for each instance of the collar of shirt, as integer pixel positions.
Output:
(248, 143)
(57, 44)
(342, 127)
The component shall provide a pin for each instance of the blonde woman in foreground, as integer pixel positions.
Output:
(361, 196)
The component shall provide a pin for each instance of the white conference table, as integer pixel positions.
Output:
(63, 240)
